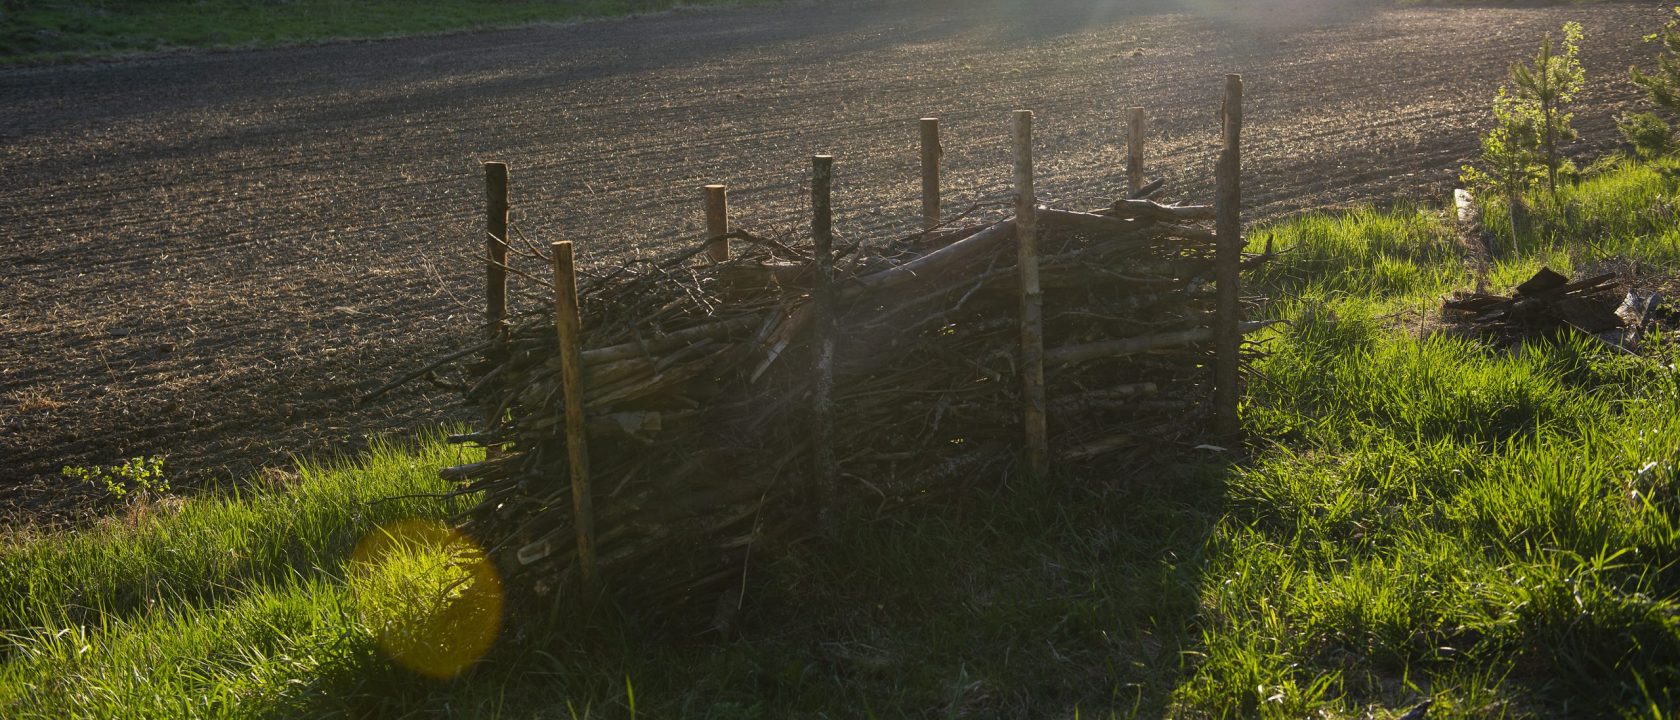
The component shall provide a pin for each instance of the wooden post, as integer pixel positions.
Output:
(495, 246)
(1032, 299)
(1227, 201)
(1134, 152)
(495, 271)
(931, 152)
(717, 221)
(567, 322)
(822, 234)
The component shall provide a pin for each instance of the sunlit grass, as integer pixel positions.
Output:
(302, 525)
(1365, 253)
(1627, 212)
(1428, 509)
(207, 606)
(1432, 518)
(428, 594)
(264, 648)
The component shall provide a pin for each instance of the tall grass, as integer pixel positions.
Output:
(1364, 253)
(203, 607)
(1427, 511)
(195, 551)
(1628, 212)
(1432, 518)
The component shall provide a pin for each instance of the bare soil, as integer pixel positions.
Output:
(209, 256)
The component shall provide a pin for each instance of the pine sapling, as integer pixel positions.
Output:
(1663, 85)
(1508, 160)
(1650, 133)
(1551, 84)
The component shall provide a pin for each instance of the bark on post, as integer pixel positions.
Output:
(567, 323)
(496, 208)
(1134, 152)
(822, 233)
(1228, 226)
(717, 222)
(1032, 299)
(931, 152)
(495, 247)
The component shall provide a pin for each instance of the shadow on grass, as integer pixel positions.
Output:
(1031, 599)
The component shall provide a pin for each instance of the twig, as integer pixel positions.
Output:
(440, 362)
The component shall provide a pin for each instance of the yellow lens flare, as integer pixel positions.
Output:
(428, 595)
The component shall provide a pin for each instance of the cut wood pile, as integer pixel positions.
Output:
(699, 380)
(1543, 304)
(1548, 303)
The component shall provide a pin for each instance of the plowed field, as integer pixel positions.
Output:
(208, 256)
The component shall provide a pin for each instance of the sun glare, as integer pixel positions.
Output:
(428, 595)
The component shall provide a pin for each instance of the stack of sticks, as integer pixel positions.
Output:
(1543, 305)
(674, 418)
(698, 390)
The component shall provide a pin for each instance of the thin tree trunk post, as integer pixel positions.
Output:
(717, 222)
(931, 152)
(1228, 260)
(495, 270)
(568, 324)
(1134, 152)
(1032, 299)
(822, 234)
(495, 246)
(1518, 210)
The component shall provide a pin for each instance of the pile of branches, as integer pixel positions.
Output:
(1541, 306)
(699, 376)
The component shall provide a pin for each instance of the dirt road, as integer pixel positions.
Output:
(208, 256)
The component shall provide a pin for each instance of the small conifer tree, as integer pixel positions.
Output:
(1650, 133)
(1532, 123)
(1550, 85)
(1508, 162)
(1663, 85)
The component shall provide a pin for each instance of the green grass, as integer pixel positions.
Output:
(1494, 530)
(71, 29)
(1428, 513)
(1629, 211)
(204, 607)
(1420, 518)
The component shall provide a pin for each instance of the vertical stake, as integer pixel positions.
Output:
(822, 234)
(1134, 152)
(495, 246)
(717, 222)
(495, 272)
(1227, 202)
(1032, 299)
(567, 322)
(931, 152)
